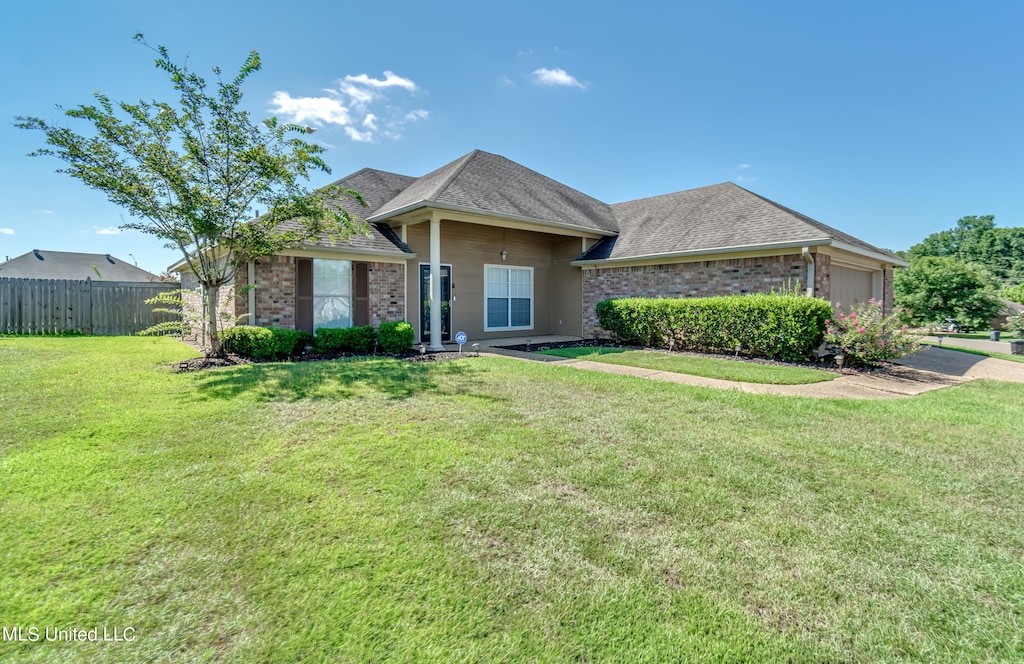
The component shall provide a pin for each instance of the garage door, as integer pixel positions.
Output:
(850, 285)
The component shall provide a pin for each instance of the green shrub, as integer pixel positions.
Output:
(264, 343)
(395, 337)
(868, 336)
(347, 339)
(1015, 324)
(788, 327)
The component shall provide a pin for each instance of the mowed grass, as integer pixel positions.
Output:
(489, 509)
(1005, 335)
(975, 351)
(735, 370)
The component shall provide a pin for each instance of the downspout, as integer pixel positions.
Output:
(252, 292)
(809, 259)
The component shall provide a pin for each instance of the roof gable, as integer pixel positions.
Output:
(490, 183)
(376, 187)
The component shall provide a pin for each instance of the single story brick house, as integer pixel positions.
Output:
(509, 252)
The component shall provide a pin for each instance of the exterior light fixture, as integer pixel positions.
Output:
(671, 345)
(839, 362)
(504, 255)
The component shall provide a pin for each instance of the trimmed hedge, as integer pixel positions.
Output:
(264, 343)
(346, 339)
(395, 337)
(785, 327)
(274, 343)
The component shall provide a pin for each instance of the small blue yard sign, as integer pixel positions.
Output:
(460, 338)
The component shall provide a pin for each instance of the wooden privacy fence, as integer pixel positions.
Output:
(52, 306)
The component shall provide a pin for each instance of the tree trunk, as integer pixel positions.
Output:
(212, 298)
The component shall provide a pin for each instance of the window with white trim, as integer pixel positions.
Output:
(508, 298)
(332, 293)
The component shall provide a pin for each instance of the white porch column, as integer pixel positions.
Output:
(435, 283)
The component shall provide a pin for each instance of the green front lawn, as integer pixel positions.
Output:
(747, 372)
(488, 509)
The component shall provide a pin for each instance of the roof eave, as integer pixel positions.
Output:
(879, 256)
(183, 265)
(489, 213)
(707, 252)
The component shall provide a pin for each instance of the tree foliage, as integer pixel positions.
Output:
(194, 173)
(935, 288)
(976, 239)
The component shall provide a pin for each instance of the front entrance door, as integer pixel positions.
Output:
(446, 298)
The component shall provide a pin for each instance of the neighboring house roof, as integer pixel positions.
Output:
(39, 264)
(717, 218)
(491, 184)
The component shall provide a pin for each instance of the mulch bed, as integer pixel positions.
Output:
(230, 360)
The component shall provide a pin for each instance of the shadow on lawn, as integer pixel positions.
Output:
(334, 379)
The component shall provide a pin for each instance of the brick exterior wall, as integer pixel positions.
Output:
(699, 279)
(822, 276)
(387, 292)
(275, 292)
(192, 307)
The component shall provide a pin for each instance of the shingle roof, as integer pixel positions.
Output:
(722, 216)
(718, 217)
(40, 264)
(491, 183)
(376, 188)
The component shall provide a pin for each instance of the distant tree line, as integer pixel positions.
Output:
(963, 273)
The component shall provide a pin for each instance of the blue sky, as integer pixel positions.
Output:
(887, 120)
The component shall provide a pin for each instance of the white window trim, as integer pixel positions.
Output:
(500, 266)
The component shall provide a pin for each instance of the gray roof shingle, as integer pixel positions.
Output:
(491, 183)
(720, 216)
(376, 188)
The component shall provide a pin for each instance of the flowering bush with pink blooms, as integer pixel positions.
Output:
(867, 336)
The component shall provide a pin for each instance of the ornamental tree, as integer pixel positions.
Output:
(935, 288)
(193, 173)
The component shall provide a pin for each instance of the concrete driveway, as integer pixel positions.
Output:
(964, 366)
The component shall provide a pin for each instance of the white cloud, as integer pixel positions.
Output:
(6, 231)
(109, 230)
(744, 166)
(315, 110)
(390, 80)
(507, 82)
(359, 136)
(524, 52)
(46, 212)
(556, 77)
(359, 104)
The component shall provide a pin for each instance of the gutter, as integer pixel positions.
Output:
(823, 242)
(486, 213)
(704, 252)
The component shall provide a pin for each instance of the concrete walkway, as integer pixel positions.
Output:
(930, 369)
